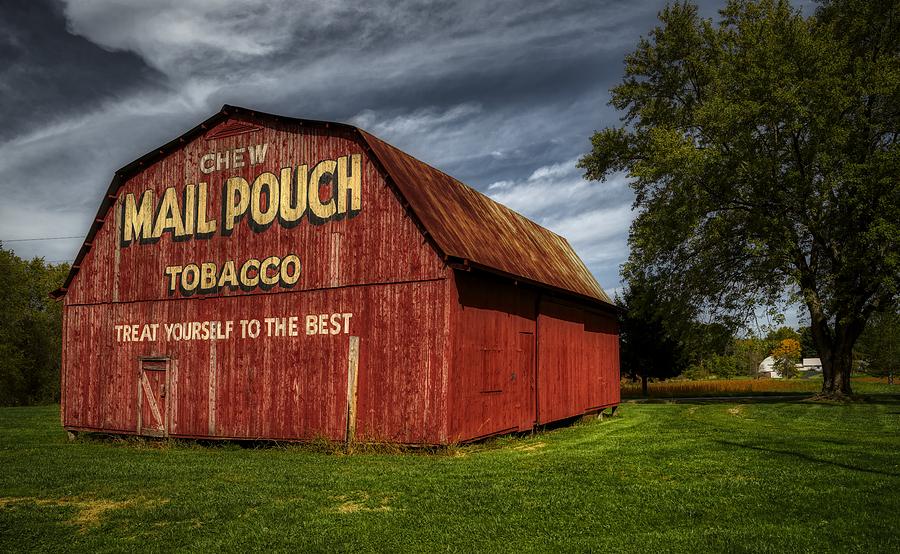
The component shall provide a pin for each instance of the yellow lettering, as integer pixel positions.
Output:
(204, 227)
(349, 181)
(228, 276)
(190, 277)
(237, 200)
(271, 261)
(173, 271)
(246, 280)
(316, 207)
(269, 182)
(190, 208)
(207, 276)
(292, 209)
(169, 216)
(137, 222)
(289, 279)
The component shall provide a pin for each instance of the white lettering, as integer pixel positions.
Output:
(258, 153)
(207, 163)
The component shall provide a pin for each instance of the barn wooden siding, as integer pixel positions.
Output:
(523, 357)
(467, 319)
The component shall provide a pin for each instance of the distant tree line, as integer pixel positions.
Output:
(30, 330)
(662, 339)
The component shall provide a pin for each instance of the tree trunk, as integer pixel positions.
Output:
(836, 382)
(836, 351)
(837, 363)
(833, 341)
(644, 383)
(827, 376)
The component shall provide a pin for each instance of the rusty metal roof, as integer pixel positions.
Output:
(466, 227)
(469, 226)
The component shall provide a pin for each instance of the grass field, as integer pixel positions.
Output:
(785, 476)
(742, 387)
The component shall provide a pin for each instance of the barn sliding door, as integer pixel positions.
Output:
(153, 415)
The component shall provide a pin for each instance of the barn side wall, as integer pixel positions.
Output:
(522, 357)
(492, 365)
(578, 360)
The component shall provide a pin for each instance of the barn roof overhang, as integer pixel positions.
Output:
(464, 226)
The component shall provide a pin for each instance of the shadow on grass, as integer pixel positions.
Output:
(886, 399)
(807, 458)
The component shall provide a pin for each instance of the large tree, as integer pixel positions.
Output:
(763, 151)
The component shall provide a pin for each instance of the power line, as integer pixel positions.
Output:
(41, 238)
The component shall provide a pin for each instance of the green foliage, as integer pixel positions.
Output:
(649, 334)
(723, 367)
(722, 478)
(750, 352)
(660, 338)
(777, 335)
(879, 345)
(807, 345)
(30, 330)
(763, 152)
(715, 365)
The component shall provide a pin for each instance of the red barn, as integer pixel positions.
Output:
(263, 277)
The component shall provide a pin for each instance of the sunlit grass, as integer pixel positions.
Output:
(655, 478)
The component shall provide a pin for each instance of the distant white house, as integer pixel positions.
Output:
(811, 364)
(767, 368)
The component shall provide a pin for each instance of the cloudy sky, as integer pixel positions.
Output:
(503, 95)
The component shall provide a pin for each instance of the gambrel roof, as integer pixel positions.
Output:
(466, 228)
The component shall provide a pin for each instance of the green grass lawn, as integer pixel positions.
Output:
(658, 477)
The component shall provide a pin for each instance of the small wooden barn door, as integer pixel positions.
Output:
(526, 363)
(152, 388)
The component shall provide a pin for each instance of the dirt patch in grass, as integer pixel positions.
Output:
(88, 513)
(362, 502)
(736, 411)
(530, 447)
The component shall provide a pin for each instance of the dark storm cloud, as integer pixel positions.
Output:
(46, 72)
(503, 95)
